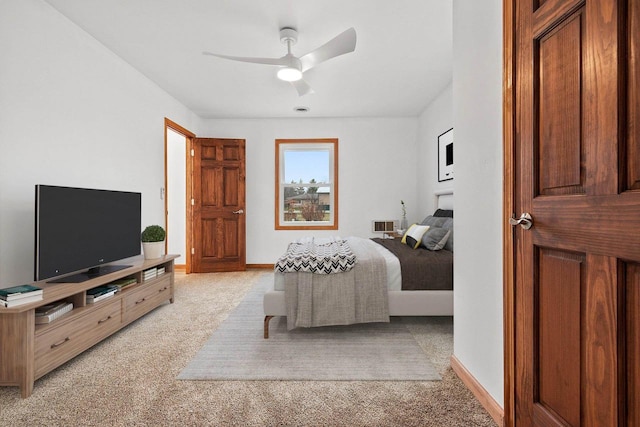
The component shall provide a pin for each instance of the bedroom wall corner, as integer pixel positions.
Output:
(436, 118)
(72, 113)
(477, 121)
(376, 164)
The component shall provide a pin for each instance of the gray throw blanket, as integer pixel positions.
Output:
(356, 296)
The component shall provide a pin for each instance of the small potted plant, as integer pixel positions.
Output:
(153, 241)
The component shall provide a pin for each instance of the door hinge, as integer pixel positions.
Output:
(193, 251)
(193, 202)
(193, 153)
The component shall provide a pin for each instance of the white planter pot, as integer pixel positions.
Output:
(153, 250)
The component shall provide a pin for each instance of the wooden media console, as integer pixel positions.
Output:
(29, 350)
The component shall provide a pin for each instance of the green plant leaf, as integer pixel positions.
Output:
(153, 233)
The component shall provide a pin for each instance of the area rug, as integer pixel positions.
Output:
(365, 352)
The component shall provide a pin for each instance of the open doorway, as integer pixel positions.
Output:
(177, 169)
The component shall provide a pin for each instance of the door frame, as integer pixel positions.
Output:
(508, 205)
(169, 124)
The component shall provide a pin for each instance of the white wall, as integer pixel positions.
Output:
(72, 114)
(434, 120)
(477, 123)
(377, 168)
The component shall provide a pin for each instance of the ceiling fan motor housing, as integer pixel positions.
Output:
(288, 34)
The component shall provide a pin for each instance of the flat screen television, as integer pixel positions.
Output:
(80, 229)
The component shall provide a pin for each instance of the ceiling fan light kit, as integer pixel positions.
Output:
(292, 67)
(289, 74)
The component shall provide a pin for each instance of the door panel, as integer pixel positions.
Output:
(231, 248)
(210, 244)
(560, 141)
(576, 288)
(231, 178)
(231, 152)
(208, 193)
(219, 204)
(560, 280)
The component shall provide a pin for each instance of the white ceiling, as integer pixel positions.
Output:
(402, 61)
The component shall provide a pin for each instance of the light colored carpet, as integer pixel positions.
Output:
(130, 379)
(372, 351)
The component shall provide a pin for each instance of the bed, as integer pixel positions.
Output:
(426, 289)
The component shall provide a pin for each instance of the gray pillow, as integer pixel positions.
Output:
(443, 212)
(448, 224)
(435, 238)
(442, 222)
(433, 221)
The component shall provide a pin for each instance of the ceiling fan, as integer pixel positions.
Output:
(292, 67)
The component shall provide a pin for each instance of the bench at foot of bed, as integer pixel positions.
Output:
(401, 303)
(266, 326)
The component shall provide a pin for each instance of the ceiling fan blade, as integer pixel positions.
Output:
(302, 87)
(344, 42)
(267, 61)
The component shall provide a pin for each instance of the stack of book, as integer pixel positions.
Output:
(161, 270)
(18, 295)
(121, 283)
(150, 273)
(48, 313)
(101, 292)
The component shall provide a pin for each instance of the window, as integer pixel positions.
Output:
(306, 184)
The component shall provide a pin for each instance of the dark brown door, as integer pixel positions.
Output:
(218, 227)
(577, 172)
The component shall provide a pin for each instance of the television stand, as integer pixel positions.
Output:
(91, 273)
(29, 350)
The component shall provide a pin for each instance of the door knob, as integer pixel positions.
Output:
(239, 211)
(525, 221)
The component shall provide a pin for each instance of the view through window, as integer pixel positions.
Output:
(306, 184)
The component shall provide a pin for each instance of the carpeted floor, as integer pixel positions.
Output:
(131, 379)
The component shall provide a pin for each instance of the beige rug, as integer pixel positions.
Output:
(237, 350)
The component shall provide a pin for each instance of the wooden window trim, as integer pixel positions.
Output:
(334, 206)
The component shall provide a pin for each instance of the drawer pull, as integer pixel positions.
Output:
(104, 320)
(141, 301)
(58, 344)
(163, 289)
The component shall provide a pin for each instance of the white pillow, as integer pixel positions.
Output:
(414, 234)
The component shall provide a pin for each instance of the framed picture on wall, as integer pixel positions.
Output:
(445, 156)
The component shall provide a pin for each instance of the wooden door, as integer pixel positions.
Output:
(576, 148)
(218, 226)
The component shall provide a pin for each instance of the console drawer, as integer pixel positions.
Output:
(59, 344)
(140, 301)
